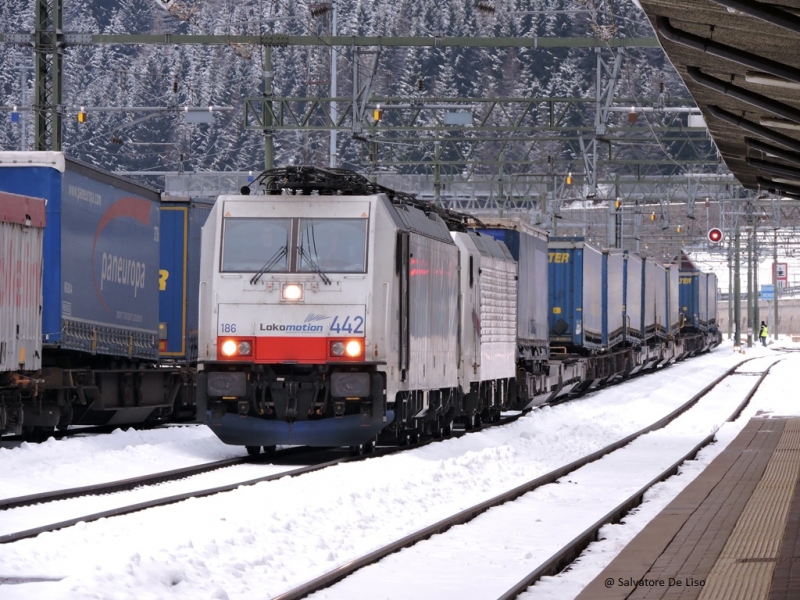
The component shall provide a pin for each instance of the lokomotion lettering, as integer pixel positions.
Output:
(304, 328)
(124, 271)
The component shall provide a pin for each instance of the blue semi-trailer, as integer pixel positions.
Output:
(100, 296)
(179, 277)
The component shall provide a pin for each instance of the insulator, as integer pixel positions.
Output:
(317, 10)
(420, 85)
(175, 87)
(484, 7)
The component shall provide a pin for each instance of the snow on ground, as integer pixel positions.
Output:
(258, 541)
(85, 460)
(498, 543)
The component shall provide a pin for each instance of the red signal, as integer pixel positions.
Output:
(715, 235)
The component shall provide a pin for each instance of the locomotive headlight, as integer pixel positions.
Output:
(353, 348)
(243, 348)
(292, 291)
(229, 347)
(337, 348)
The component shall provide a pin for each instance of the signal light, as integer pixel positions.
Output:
(569, 178)
(82, 115)
(377, 114)
(715, 235)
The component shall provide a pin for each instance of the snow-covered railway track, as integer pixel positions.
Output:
(120, 485)
(22, 509)
(559, 557)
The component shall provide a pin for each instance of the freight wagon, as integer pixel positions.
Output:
(100, 296)
(325, 317)
(538, 378)
(575, 280)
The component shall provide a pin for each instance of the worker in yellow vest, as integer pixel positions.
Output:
(763, 334)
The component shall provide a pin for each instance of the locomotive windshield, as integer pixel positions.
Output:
(250, 244)
(261, 245)
(335, 245)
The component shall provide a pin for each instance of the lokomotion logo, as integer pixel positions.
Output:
(121, 270)
(308, 325)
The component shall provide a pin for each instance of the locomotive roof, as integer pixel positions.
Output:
(307, 180)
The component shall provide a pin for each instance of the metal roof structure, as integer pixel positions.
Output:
(740, 60)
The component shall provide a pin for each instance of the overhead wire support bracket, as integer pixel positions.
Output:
(362, 86)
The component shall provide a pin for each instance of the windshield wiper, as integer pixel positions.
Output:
(314, 266)
(279, 254)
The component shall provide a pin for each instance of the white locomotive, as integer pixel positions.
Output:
(331, 315)
(333, 310)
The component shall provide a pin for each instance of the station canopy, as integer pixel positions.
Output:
(740, 60)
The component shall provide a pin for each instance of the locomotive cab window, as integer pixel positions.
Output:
(251, 244)
(332, 245)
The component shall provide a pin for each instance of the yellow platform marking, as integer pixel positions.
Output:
(744, 569)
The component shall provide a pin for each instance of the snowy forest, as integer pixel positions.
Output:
(171, 76)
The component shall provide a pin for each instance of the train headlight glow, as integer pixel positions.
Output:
(353, 348)
(337, 348)
(229, 347)
(292, 291)
(244, 348)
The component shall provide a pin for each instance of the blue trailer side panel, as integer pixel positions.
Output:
(42, 182)
(633, 299)
(110, 239)
(575, 279)
(100, 292)
(179, 277)
(565, 295)
(690, 299)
